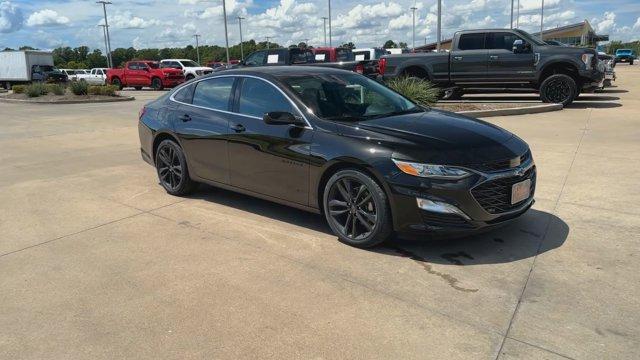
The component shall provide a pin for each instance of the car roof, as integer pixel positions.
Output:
(277, 71)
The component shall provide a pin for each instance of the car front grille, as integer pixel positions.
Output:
(502, 164)
(444, 220)
(495, 195)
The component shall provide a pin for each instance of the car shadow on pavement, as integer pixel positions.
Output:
(520, 239)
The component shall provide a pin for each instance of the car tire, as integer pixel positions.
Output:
(631, 62)
(190, 77)
(156, 84)
(559, 88)
(607, 83)
(357, 209)
(171, 166)
(117, 82)
(138, 88)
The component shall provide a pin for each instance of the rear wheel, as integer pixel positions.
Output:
(171, 166)
(631, 62)
(357, 209)
(559, 89)
(156, 84)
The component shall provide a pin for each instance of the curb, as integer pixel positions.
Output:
(115, 99)
(536, 109)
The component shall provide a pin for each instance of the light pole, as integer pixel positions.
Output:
(518, 16)
(106, 48)
(306, 42)
(240, 25)
(414, 26)
(268, 43)
(439, 30)
(511, 23)
(324, 20)
(330, 42)
(226, 34)
(541, 20)
(106, 24)
(197, 47)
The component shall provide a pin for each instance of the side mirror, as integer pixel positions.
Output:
(519, 46)
(280, 118)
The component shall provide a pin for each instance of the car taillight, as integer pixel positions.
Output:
(359, 69)
(382, 65)
(141, 112)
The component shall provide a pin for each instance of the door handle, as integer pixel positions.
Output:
(493, 57)
(185, 118)
(457, 58)
(238, 128)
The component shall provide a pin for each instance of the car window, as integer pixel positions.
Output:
(471, 41)
(362, 55)
(133, 66)
(213, 93)
(258, 97)
(256, 59)
(185, 94)
(501, 40)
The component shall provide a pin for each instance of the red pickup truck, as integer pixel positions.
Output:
(141, 73)
(333, 54)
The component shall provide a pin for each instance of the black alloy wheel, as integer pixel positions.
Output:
(171, 166)
(558, 89)
(356, 208)
(156, 84)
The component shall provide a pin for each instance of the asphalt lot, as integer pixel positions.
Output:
(98, 262)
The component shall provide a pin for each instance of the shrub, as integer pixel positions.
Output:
(36, 89)
(107, 90)
(79, 87)
(55, 88)
(418, 90)
(18, 89)
(94, 90)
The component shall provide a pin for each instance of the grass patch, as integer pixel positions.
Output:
(79, 87)
(106, 90)
(56, 89)
(418, 90)
(19, 89)
(36, 89)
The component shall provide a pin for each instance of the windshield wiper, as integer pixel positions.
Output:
(395, 113)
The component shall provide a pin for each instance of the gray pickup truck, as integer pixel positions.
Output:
(502, 58)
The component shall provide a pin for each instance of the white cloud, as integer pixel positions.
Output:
(10, 17)
(368, 15)
(401, 22)
(126, 20)
(46, 17)
(607, 23)
(636, 26)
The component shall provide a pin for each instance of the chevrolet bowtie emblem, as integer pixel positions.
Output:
(514, 162)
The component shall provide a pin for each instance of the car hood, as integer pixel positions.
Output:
(439, 137)
(170, 71)
(203, 68)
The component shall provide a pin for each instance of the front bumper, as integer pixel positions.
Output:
(483, 200)
(172, 82)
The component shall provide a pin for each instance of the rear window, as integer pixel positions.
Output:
(362, 55)
(344, 55)
(471, 42)
(213, 93)
(301, 56)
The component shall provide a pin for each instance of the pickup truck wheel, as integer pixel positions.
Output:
(558, 89)
(156, 84)
(189, 77)
(138, 88)
(117, 82)
(631, 62)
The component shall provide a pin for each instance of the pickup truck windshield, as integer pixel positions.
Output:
(190, 63)
(348, 97)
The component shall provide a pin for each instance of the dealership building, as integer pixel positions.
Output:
(580, 34)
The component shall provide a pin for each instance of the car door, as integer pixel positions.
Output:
(133, 76)
(268, 159)
(469, 58)
(202, 124)
(504, 64)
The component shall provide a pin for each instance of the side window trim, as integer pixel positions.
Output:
(236, 98)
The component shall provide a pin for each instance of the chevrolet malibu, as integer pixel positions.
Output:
(337, 143)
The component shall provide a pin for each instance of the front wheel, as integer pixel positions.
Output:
(171, 165)
(357, 209)
(559, 89)
(156, 84)
(117, 82)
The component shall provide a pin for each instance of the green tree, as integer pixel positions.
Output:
(348, 45)
(389, 44)
(402, 45)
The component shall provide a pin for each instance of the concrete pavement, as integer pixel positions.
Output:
(97, 261)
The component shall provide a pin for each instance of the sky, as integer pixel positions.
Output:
(172, 23)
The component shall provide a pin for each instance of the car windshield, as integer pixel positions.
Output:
(189, 63)
(153, 65)
(348, 97)
(528, 37)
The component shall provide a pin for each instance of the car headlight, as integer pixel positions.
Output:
(586, 59)
(198, 72)
(431, 170)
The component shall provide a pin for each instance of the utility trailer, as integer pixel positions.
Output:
(18, 67)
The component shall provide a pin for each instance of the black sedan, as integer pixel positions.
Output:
(335, 142)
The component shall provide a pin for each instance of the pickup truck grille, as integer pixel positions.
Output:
(502, 164)
(495, 195)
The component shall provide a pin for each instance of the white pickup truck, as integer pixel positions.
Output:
(97, 76)
(190, 68)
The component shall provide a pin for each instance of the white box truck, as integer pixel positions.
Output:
(17, 67)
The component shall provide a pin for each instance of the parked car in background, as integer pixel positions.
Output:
(21, 67)
(190, 68)
(503, 58)
(609, 68)
(304, 57)
(95, 76)
(396, 51)
(71, 73)
(215, 65)
(340, 144)
(332, 54)
(625, 55)
(368, 53)
(144, 73)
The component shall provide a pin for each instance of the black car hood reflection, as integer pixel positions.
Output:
(439, 137)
